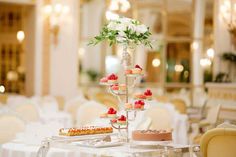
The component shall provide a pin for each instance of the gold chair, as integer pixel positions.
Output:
(3, 98)
(107, 100)
(219, 142)
(179, 105)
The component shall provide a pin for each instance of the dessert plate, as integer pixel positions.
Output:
(151, 143)
(97, 144)
(81, 137)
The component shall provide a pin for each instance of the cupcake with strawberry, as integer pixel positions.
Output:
(122, 120)
(137, 69)
(111, 113)
(115, 87)
(139, 104)
(112, 78)
(104, 80)
(148, 94)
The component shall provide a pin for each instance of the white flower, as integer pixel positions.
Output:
(132, 27)
(125, 20)
(120, 39)
(122, 34)
(120, 27)
(112, 25)
(141, 29)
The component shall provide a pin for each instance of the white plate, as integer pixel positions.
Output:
(150, 143)
(98, 145)
(81, 137)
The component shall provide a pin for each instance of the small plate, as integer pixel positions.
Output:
(150, 143)
(81, 137)
(97, 144)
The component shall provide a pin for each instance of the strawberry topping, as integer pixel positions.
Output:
(137, 66)
(148, 92)
(141, 102)
(111, 111)
(112, 77)
(122, 118)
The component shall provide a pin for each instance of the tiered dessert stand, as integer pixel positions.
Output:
(126, 62)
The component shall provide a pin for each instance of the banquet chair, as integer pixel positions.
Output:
(211, 118)
(73, 105)
(3, 98)
(208, 123)
(162, 98)
(89, 112)
(60, 101)
(219, 142)
(10, 125)
(179, 105)
(107, 100)
(27, 112)
(160, 118)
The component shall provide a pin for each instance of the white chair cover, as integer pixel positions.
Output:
(89, 112)
(73, 105)
(160, 117)
(10, 125)
(27, 112)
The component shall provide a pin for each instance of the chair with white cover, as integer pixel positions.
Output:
(160, 118)
(212, 117)
(89, 112)
(73, 105)
(27, 112)
(10, 125)
(179, 105)
(206, 124)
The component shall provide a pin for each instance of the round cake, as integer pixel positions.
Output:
(151, 135)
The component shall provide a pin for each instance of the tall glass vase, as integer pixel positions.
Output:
(126, 58)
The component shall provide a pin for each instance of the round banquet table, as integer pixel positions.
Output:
(23, 150)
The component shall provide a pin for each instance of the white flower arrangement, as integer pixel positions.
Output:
(124, 31)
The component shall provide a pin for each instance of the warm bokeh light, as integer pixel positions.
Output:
(195, 45)
(210, 53)
(2, 89)
(58, 8)
(20, 36)
(179, 68)
(204, 62)
(47, 9)
(156, 62)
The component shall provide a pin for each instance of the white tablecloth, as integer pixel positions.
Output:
(23, 150)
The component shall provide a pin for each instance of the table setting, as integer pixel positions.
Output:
(127, 132)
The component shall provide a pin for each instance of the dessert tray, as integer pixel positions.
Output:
(82, 137)
(98, 143)
(151, 143)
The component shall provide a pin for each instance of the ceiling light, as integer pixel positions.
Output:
(179, 68)
(156, 62)
(210, 53)
(20, 36)
(2, 89)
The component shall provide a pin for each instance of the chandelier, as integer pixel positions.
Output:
(228, 13)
